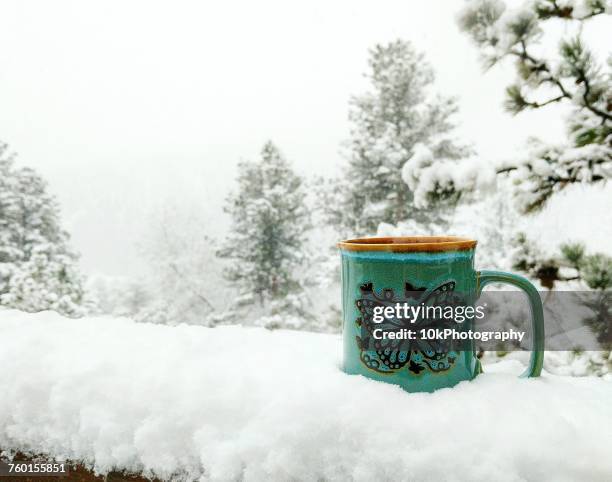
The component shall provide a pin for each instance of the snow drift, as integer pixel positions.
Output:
(235, 403)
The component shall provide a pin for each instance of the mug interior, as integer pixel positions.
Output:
(407, 244)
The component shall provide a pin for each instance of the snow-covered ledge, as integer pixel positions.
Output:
(243, 403)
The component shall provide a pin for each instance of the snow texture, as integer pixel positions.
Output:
(233, 403)
(425, 175)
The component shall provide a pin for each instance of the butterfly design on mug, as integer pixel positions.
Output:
(390, 355)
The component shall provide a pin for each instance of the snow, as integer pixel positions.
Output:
(497, 29)
(508, 22)
(233, 403)
(581, 9)
(425, 175)
(567, 363)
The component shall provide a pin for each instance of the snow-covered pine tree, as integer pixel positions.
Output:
(269, 222)
(399, 112)
(595, 271)
(574, 77)
(38, 269)
(528, 257)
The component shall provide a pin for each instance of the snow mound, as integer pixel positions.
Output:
(235, 403)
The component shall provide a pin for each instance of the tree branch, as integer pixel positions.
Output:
(565, 13)
(540, 66)
(174, 268)
(582, 77)
(198, 295)
(537, 105)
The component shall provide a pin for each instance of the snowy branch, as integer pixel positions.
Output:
(575, 78)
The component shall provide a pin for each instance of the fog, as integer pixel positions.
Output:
(126, 107)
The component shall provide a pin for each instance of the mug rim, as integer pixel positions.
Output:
(408, 244)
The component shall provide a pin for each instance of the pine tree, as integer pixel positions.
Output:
(574, 77)
(573, 254)
(388, 122)
(269, 221)
(528, 258)
(595, 271)
(37, 268)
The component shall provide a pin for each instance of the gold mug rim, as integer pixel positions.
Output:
(408, 244)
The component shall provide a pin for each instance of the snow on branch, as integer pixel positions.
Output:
(434, 179)
(500, 32)
(549, 168)
(574, 77)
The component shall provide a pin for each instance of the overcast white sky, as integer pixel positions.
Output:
(125, 106)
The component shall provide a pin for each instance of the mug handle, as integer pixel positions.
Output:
(536, 361)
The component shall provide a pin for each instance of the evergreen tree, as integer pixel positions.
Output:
(528, 257)
(595, 270)
(269, 221)
(574, 77)
(388, 122)
(37, 268)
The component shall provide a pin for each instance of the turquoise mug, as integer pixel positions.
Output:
(377, 272)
